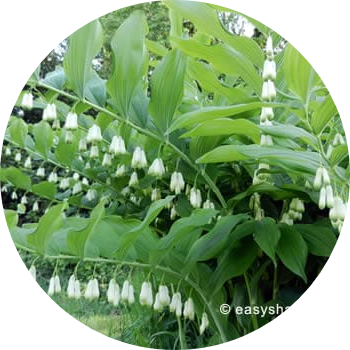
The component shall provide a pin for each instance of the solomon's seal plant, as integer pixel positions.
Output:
(211, 170)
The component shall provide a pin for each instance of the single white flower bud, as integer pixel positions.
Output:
(157, 168)
(94, 134)
(131, 296)
(164, 298)
(204, 323)
(318, 178)
(77, 188)
(18, 157)
(146, 295)
(64, 183)
(177, 183)
(329, 196)
(82, 145)
(71, 287)
(27, 101)
(51, 290)
(156, 194)
(268, 90)
(94, 152)
(50, 112)
(120, 170)
(35, 206)
(176, 304)
(173, 213)
(134, 180)
(125, 291)
(266, 114)
(157, 306)
(40, 172)
(139, 158)
(325, 177)
(322, 199)
(28, 163)
(53, 178)
(71, 121)
(269, 70)
(90, 195)
(188, 311)
(107, 160)
(117, 145)
(57, 284)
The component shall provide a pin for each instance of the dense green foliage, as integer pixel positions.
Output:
(234, 206)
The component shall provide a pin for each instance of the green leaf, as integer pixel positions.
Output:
(96, 90)
(209, 81)
(17, 178)
(84, 45)
(289, 160)
(323, 114)
(156, 48)
(211, 244)
(65, 152)
(45, 189)
(130, 60)
(77, 241)
(181, 227)
(292, 250)
(206, 20)
(224, 59)
(210, 113)
(301, 78)
(11, 217)
(56, 79)
(48, 224)
(226, 126)
(267, 235)
(153, 211)
(167, 85)
(290, 132)
(43, 136)
(234, 263)
(18, 130)
(338, 154)
(319, 239)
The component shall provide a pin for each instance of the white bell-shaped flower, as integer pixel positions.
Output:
(14, 195)
(90, 195)
(64, 183)
(92, 290)
(125, 291)
(195, 198)
(120, 170)
(204, 323)
(131, 295)
(18, 157)
(40, 172)
(28, 163)
(266, 114)
(157, 168)
(188, 311)
(107, 160)
(27, 101)
(164, 298)
(134, 180)
(94, 152)
(208, 204)
(7, 151)
(50, 112)
(269, 70)
(71, 287)
(35, 207)
(51, 290)
(139, 159)
(94, 134)
(57, 284)
(157, 306)
(53, 178)
(24, 199)
(82, 147)
(329, 196)
(113, 292)
(176, 304)
(318, 181)
(71, 121)
(117, 145)
(268, 90)
(146, 295)
(177, 183)
(77, 188)
(173, 213)
(156, 194)
(322, 199)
